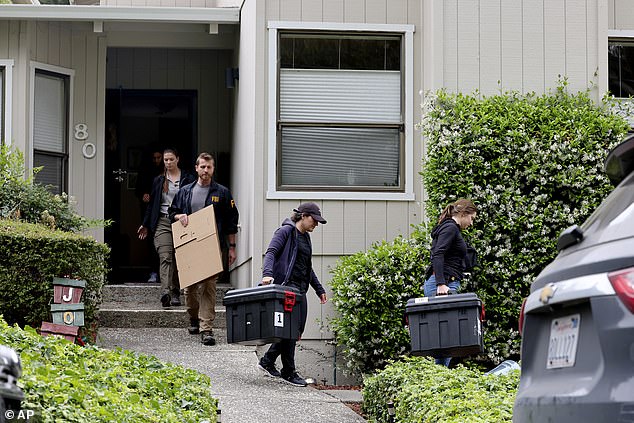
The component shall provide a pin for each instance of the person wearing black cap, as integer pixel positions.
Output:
(288, 261)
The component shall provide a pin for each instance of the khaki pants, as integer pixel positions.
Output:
(200, 299)
(167, 261)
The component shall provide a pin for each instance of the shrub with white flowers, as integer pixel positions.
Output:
(533, 166)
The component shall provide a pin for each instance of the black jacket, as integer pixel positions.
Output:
(150, 220)
(280, 256)
(448, 251)
(225, 210)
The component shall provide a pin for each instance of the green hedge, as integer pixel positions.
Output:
(65, 382)
(370, 290)
(532, 164)
(22, 199)
(32, 255)
(422, 391)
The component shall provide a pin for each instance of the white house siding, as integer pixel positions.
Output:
(69, 46)
(621, 14)
(353, 225)
(493, 45)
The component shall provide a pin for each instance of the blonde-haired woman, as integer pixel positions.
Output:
(449, 252)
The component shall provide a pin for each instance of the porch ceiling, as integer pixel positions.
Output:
(228, 15)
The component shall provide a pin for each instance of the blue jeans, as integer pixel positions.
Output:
(430, 286)
(430, 291)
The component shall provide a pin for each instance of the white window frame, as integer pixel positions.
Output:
(408, 107)
(7, 67)
(70, 73)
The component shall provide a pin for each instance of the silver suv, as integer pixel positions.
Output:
(578, 321)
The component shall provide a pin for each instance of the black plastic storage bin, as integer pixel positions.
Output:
(446, 325)
(262, 315)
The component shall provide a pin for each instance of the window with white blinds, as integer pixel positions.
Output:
(50, 129)
(340, 119)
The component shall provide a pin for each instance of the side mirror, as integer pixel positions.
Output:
(571, 236)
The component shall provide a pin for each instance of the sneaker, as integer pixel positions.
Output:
(153, 278)
(269, 369)
(194, 327)
(165, 299)
(176, 301)
(294, 380)
(207, 338)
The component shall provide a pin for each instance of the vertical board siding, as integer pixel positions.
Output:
(397, 13)
(592, 41)
(533, 42)
(533, 46)
(4, 39)
(468, 42)
(332, 11)
(78, 184)
(512, 44)
(554, 40)
(490, 46)
(450, 37)
(576, 44)
(311, 10)
(623, 15)
(354, 10)
(333, 212)
(376, 11)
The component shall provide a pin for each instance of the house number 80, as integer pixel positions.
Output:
(81, 131)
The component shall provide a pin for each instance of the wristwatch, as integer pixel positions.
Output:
(232, 245)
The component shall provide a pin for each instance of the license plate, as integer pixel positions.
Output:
(562, 347)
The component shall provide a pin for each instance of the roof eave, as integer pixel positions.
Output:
(224, 15)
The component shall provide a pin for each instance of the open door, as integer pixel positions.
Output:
(138, 122)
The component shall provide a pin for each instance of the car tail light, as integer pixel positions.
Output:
(521, 320)
(623, 283)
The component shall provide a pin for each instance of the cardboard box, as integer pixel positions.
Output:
(197, 246)
(263, 314)
(445, 326)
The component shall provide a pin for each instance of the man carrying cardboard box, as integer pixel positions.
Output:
(200, 298)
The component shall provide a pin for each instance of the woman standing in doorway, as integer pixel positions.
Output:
(449, 252)
(156, 220)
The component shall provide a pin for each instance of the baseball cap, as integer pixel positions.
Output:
(311, 209)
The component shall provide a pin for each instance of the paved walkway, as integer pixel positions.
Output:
(244, 394)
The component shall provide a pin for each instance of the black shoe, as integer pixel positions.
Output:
(207, 338)
(194, 327)
(176, 301)
(294, 380)
(269, 369)
(165, 299)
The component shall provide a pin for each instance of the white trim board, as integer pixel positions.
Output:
(7, 107)
(408, 59)
(71, 79)
(123, 14)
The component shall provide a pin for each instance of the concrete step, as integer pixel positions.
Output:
(148, 293)
(125, 315)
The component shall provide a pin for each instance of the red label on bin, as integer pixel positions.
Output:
(289, 300)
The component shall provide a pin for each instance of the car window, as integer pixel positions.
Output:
(614, 219)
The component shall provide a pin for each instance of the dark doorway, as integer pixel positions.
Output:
(139, 122)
